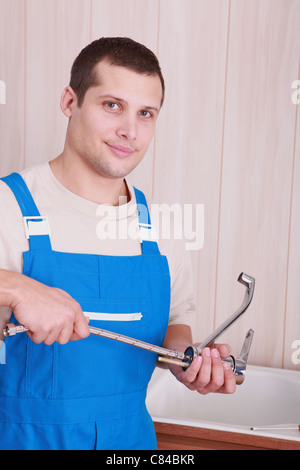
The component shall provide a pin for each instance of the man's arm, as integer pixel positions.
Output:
(49, 313)
(207, 373)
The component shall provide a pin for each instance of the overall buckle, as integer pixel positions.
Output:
(36, 225)
(147, 233)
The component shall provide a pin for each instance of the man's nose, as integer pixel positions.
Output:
(127, 128)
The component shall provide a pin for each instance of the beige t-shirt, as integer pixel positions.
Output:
(81, 226)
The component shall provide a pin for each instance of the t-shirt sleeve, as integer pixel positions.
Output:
(174, 247)
(12, 239)
(182, 308)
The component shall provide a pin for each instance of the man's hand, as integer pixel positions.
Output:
(50, 314)
(207, 373)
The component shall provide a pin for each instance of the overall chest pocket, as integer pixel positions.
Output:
(97, 366)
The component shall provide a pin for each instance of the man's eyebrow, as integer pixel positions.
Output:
(111, 97)
(115, 98)
(151, 107)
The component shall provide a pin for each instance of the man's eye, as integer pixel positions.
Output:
(112, 105)
(145, 113)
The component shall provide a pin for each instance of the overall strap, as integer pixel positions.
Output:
(146, 232)
(36, 226)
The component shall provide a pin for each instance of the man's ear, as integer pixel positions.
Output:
(67, 101)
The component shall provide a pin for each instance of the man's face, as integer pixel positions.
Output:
(111, 131)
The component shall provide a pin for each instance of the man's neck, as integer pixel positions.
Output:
(88, 184)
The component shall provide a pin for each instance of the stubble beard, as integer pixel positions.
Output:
(104, 167)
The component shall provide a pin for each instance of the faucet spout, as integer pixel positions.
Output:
(247, 281)
(238, 364)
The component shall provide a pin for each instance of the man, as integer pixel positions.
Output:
(63, 388)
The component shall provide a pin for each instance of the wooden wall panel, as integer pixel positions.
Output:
(12, 74)
(137, 19)
(292, 319)
(192, 51)
(56, 31)
(257, 168)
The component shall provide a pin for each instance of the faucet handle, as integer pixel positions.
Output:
(240, 362)
(246, 346)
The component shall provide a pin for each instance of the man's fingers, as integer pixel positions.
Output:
(207, 373)
(80, 328)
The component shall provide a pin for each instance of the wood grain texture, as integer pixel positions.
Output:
(257, 169)
(12, 72)
(192, 51)
(292, 319)
(56, 31)
(176, 436)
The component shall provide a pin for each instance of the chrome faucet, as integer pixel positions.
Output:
(239, 363)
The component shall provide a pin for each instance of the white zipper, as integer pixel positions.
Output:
(113, 316)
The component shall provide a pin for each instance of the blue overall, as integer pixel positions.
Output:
(90, 393)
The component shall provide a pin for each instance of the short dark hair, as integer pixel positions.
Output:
(120, 51)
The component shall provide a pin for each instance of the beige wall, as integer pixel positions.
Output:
(228, 135)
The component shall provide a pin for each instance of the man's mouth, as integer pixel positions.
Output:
(121, 150)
